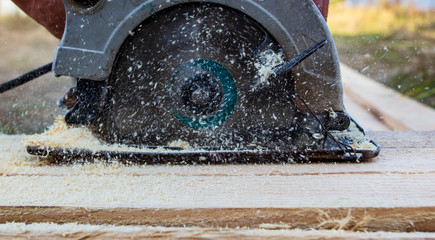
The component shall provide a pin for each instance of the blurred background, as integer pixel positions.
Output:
(390, 41)
(24, 46)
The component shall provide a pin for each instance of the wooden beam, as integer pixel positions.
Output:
(393, 192)
(395, 110)
(76, 231)
(420, 219)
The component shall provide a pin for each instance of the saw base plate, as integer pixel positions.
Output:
(179, 156)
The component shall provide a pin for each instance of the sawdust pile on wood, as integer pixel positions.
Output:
(62, 135)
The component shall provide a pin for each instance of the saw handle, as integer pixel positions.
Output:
(48, 13)
(27, 77)
(322, 5)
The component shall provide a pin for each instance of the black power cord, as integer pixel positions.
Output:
(27, 77)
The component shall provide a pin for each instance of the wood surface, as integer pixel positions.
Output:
(76, 231)
(379, 107)
(393, 192)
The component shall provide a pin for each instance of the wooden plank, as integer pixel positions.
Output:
(393, 192)
(421, 219)
(75, 231)
(402, 152)
(392, 108)
(363, 116)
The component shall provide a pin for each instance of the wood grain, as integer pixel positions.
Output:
(420, 219)
(75, 231)
(393, 192)
(393, 109)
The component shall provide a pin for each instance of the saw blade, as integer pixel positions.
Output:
(194, 73)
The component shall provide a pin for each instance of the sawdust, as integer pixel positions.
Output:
(327, 222)
(14, 155)
(14, 160)
(267, 60)
(62, 135)
(348, 222)
(360, 141)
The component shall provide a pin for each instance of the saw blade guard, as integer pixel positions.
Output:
(95, 32)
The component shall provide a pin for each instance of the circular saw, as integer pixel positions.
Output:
(236, 80)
